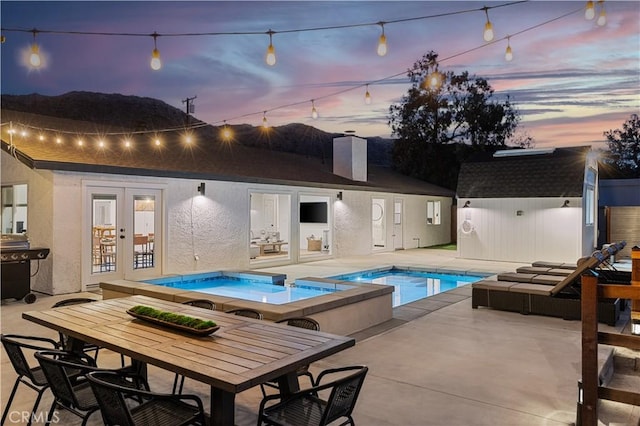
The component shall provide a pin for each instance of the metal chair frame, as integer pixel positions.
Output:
(306, 407)
(32, 377)
(301, 322)
(245, 312)
(155, 408)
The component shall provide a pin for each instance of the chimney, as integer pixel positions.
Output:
(350, 157)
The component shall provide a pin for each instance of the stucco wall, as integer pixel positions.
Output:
(543, 231)
(215, 227)
(39, 218)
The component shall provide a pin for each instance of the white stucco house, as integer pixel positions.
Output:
(144, 205)
(525, 205)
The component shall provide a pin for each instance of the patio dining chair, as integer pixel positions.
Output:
(66, 374)
(87, 347)
(306, 407)
(301, 322)
(249, 313)
(33, 377)
(155, 409)
(200, 303)
(64, 340)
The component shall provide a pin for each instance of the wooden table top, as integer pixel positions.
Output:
(243, 353)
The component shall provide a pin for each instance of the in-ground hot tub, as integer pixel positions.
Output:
(340, 307)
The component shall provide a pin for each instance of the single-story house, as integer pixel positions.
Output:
(524, 205)
(113, 206)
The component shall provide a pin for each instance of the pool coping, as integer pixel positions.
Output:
(350, 294)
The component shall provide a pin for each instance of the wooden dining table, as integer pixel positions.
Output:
(242, 354)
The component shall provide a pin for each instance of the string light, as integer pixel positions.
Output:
(314, 111)
(367, 96)
(265, 123)
(270, 57)
(34, 57)
(157, 142)
(382, 42)
(488, 27)
(432, 82)
(589, 11)
(508, 53)
(602, 17)
(226, 132)
(156, 64)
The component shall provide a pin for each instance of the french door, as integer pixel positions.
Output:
(122, 233)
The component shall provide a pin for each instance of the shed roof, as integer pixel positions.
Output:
(559, 173)
(203, 159)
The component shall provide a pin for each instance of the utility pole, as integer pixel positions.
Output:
(190, 107)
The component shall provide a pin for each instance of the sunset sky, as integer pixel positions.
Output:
(570, 78)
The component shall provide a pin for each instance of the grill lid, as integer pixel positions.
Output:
(14, 241)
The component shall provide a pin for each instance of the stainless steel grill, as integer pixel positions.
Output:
(16, 255)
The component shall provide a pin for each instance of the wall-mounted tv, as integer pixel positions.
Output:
(313, 212)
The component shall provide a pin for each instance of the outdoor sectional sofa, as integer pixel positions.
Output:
(546, 294)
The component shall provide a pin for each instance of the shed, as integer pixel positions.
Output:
(525, 205)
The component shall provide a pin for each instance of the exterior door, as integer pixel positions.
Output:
(123, 238)
(378, 221)
(398, 242)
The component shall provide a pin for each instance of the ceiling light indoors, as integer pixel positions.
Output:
(270, 57)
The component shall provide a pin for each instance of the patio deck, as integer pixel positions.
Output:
(437, 362)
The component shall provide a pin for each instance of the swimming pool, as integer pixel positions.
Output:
(411, 284)
(259, 288)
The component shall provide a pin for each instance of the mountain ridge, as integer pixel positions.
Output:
(136, 113)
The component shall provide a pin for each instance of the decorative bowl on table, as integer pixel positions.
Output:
(173, 320)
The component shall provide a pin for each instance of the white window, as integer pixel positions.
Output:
(589, 206)
(433, 212)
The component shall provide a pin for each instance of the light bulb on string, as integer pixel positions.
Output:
(602, 17)
(382, 42)
(367, 96)
(156, 64)
(270, 57)
(589, 11)
(314, 111)
(265, 123)
(433, 81)
(508, 53)
(34, 57)
(226, 132)
(488, 27)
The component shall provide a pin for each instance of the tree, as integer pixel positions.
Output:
(624, 147)
(443, 119)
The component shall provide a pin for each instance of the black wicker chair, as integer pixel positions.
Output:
(178, 381)
(201, 303)
(156, 409)
(66, 373)
(301, 322)
(306, 407)
(64, 340)
(249, 313)
(32, 377)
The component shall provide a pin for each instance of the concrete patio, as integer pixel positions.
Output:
(438, 362)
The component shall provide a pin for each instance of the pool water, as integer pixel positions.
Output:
(411, 284)
(243, 288)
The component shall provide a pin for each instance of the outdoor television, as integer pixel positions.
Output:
(313, 212)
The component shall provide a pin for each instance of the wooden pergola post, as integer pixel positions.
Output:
(588, 403)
